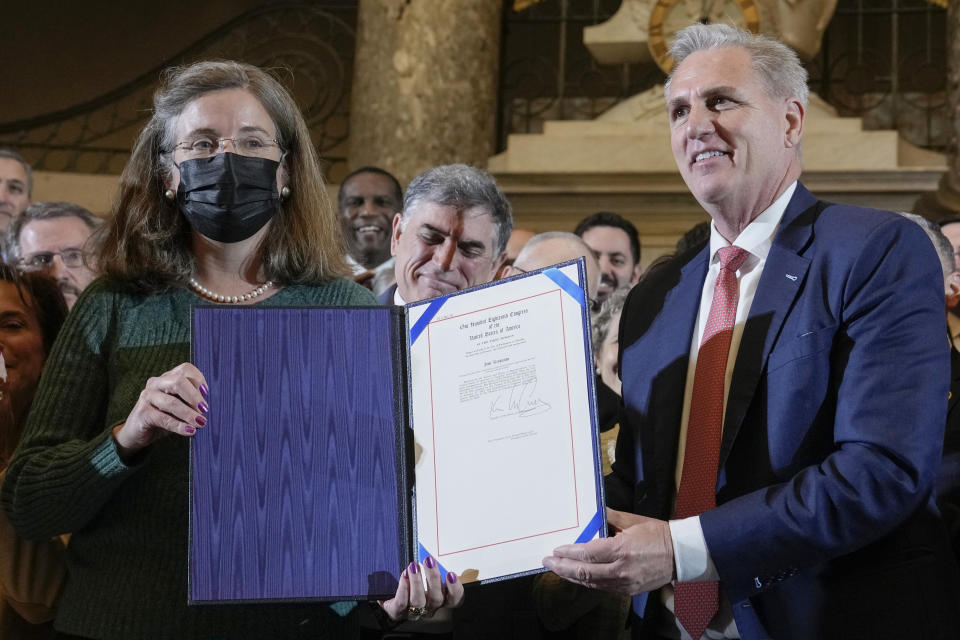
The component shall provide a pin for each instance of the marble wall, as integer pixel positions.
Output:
(424, 84)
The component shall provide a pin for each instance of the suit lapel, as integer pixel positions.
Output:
(782, 280)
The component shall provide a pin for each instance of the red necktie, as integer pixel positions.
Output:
(695, 603)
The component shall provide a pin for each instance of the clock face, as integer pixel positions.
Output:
(670, 16)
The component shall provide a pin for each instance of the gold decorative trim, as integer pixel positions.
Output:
(521, 5)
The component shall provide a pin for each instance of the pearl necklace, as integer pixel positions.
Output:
(216, 297)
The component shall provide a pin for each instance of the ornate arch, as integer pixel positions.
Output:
(309, 48)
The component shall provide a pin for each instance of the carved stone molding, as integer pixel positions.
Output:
(309, 48)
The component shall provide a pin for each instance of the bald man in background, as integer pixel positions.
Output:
(554, 247)
(562, 608)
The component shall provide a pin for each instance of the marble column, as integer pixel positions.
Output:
(424, 84)
(948, 193)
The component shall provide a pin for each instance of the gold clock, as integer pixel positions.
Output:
(670, 16)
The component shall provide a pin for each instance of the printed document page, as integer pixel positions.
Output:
(506, 463)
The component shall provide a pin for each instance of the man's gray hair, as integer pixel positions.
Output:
(44, 211)
(13, 155)
(462, 187)
(611, 306)
(940, 241)
(777, 64)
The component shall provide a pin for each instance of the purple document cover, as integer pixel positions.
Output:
(298, 487)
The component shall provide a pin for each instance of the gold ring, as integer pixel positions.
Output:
(415, 613)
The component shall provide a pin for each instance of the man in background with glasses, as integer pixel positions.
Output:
(54, 237)
(16, 186)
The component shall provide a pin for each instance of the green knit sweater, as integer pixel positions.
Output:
(128, 553)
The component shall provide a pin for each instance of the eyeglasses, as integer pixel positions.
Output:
(252, 145)
(71, 258)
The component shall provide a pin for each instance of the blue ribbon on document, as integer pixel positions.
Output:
(425, 319)
(423, 553)
(591, 529)
(568, 285)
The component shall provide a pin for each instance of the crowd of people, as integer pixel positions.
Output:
(777, 420)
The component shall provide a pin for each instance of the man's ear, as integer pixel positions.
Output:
(395, 235)
(952, 290)
(637, 272)
(794, 122)
(499, 267)
(505, 271)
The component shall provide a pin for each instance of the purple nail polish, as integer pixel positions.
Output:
(429, 563)
(413, 568)
(204, 390)
(204, 408)
(201, 420)
(188, 429)
(451, 577)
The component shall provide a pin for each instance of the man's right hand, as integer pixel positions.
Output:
(639, 558)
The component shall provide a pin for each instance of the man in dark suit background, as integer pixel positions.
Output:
(367, 200)
(948, 479)
(452, 233)
(785, 390)
(616, 244)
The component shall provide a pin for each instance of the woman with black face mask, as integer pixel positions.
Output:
(222, 202)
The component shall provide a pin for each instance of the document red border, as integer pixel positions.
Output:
(576, 525)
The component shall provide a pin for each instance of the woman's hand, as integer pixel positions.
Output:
(412, 601)
(170, 403)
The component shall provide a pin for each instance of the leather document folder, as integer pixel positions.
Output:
(343, 443)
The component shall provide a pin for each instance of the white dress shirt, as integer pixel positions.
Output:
(690, 551)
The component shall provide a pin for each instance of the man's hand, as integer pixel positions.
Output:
(365, 279)
(639, 558)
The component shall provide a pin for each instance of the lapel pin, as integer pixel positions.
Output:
(791, 277)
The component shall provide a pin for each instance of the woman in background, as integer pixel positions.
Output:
(606, 346)
(32, 310)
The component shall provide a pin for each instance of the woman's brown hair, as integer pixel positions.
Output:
(146, 242)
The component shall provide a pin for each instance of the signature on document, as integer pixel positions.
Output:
(520, 401)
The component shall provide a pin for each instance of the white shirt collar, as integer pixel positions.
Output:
(397, 298)
(758, 236)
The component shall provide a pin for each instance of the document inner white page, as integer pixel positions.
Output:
(502, 425)
(502, 398)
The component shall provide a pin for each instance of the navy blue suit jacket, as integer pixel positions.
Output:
(826, 525)
(386, 298)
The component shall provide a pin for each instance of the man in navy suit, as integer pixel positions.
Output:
(816, 514)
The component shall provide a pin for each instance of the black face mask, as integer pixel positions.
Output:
(228, 197)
